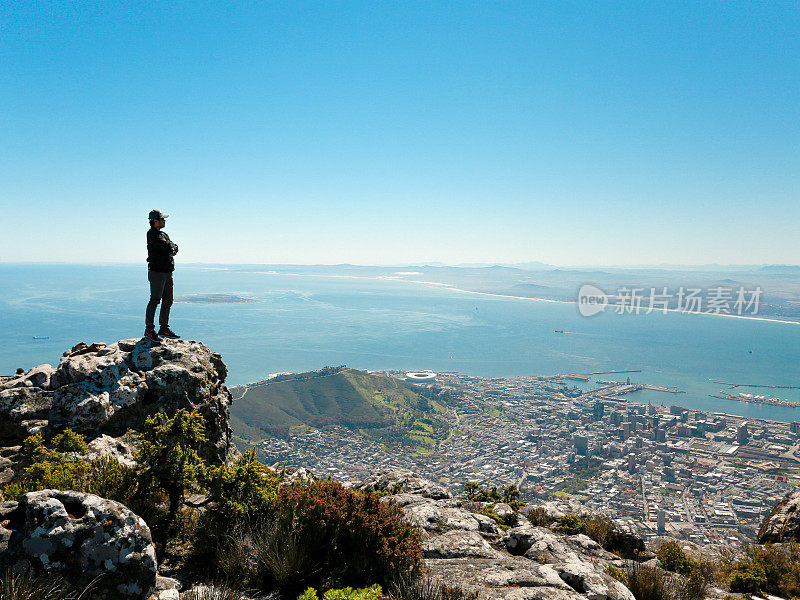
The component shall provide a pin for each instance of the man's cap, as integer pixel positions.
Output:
(156, 214)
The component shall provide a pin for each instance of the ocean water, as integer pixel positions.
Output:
(303, 322)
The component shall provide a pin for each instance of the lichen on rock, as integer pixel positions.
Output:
(83, 538)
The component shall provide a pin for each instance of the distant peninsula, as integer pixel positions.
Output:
(213, 298)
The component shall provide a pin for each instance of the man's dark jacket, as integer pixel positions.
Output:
(160, 251)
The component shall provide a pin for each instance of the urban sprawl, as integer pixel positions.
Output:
(705, 477)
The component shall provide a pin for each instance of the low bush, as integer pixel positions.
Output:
(69, 441)
(319, 535)
(244, 487)
(569, 525)
(538, 517)
(371, 593)
(510, 494)
(52, 469)
(747, 577)
(673, 558)
(600, 529)
(772, 568)
(488, 510)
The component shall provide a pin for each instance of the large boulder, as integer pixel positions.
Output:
(81, 537)
(783, 523)
(396, 481)
(101, 389)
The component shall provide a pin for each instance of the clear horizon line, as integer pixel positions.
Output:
(431, 263)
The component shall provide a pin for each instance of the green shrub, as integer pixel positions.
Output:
(103, 476)
(569, 525)
(244, 487)
(511, 496)
(370, 593)
(69, 441)
(169, 460)
(779, 564)
(673, 558)
(32, 444)
(488, 510)
(747, 577)
(471, 490)
(51, 470)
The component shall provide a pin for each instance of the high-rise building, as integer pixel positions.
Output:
(598, 410)
(742, 436)
(581, 444)
(631, 463)
(662, 520)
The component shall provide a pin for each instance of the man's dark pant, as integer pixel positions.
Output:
(160, 291)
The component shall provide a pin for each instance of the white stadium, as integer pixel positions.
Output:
(421, 377)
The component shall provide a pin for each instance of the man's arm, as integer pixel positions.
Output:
(169, 246)
(160, 243)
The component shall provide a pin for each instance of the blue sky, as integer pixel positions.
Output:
(400, 132)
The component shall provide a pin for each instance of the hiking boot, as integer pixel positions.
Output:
(168, 333)
(151, 334)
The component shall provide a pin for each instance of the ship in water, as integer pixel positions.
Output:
(41, 337)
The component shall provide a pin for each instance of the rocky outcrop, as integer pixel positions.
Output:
(626, 540)
(82, 537)
(522, 563)
(110, 389)
(396, 481)
(783, 523)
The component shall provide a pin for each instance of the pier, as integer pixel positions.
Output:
(757, 385)
(756, 400)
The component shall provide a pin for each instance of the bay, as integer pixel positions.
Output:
(301, 321)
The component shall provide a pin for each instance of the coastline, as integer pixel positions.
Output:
(452, 287)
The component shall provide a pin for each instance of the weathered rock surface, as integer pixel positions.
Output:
(783, 523)
(107, 446)
(522, 563)
(396, 481)
(627, 540)
(109, 389)
(82, 537)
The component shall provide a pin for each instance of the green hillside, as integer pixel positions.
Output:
(392, 412)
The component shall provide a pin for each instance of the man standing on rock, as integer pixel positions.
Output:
(160, 265)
